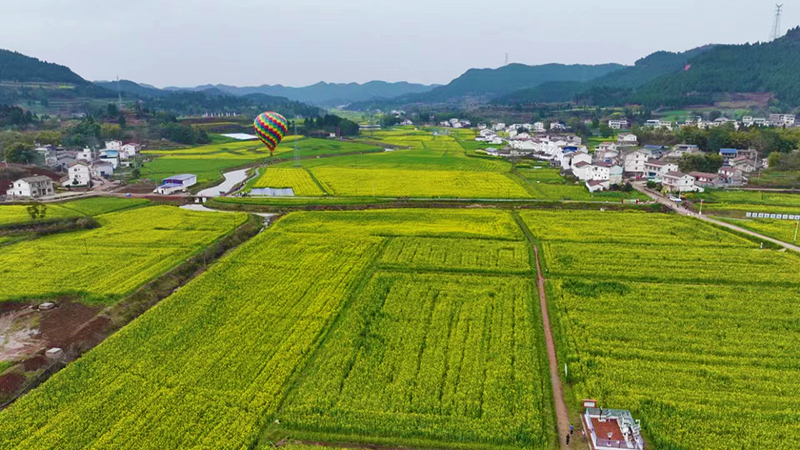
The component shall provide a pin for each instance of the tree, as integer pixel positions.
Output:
(136, 173)
(49, 137)
(714, 115)
(700, 163)
(122, 121)
(37, 211)
(20, 153)
(112, 110)
(595, 122)
(606, 130)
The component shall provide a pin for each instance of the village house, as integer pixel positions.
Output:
(558, 126)
(406, 122)
(605, 146)
(481, 126)
(102, 169)
(744, 164)
(499, 126)
(610, 429)
(177, 183)
(618, 124)
(728, 154)
(606, 171)
(32, 187)
(732, 176)
(88, 155)
(780, 120)
(538, 127)
(598, 185)
(114, 145)
(627, 139)
(680, 182)
(707, 179)
(80, 174)
(635, 161)
(656, 151)
(683, 149)
(654, 169)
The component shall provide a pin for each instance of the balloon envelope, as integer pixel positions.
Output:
(270, 127)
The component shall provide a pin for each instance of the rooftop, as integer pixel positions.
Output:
(704, 175)
(182, 177)
(36, 179)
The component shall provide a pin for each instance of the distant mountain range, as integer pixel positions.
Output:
(324, 94)
(487, 84)
(700, 76)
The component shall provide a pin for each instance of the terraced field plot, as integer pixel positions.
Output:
(751, 201)
(687, 326)
(258, 337)
(783, 230)
(298, 179)
(103, 264)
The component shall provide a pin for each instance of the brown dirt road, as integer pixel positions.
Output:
(562, 415)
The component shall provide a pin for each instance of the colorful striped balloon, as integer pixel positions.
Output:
(270, 127)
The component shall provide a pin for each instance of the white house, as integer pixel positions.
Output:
(87, 154)
(732, 175)
(80, 174)
(618, 124)
(635, 161)
(597, 185)
(654, 169)
(744, 164)
(111, 159)
(102, 169)
(538, 127)
(37, 186)
(499, 126)
(177, 183)
(486, 132)
(680, 182)
(581, 170)
(605, 146)
(782, 119)
(558, 126)
(627, 139)
(607, 172)
(406, 122)
(114, 145)
(683, 149)
(130, 150)
(481, 126)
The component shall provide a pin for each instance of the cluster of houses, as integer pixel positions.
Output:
(81, 166)
(774, 120)
(455, 123)
(613, 160)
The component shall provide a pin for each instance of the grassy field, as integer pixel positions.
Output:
(296, 178)
(208, 162)
(12, 214)
(103, 264)
(688, 326)
(343, 336)
(774, 178)
(782, 230)
(748, 201)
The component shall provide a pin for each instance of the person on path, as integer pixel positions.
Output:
(571, 429)
(567, 440)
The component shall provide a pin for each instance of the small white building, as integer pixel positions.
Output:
(129, 150)
(177, 183)
(618, 124)
(606, 146)
(597, 185)
(655, 169)
(610, 429)
(499, 126)
(114, 145)
(683, 149)
(87, 155)
(680, 182)
(32, 187)
(102, 169)
(635, 161)
(80, 174)
(627, 139)
(538, 127)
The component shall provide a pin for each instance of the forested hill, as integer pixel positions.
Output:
(18, 67)
(701, 76)
(485, 84)
(328, 94)
(136, 90)
(643, 71)
(750, 68)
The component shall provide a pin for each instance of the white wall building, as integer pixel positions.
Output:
(114, 145)
(635, 161)
(80, 174)
(618, 124)
(680, 182)
(627, 139)
(37, 186)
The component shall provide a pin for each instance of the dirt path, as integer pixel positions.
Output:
(562, 415)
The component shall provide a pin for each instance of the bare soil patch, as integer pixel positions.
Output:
(10, 383)
(58, 326)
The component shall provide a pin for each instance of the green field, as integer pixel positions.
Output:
(748, 201)
(208, 162)
(782, 230)
(13, 214)
(342, 335)
(689, 327)
(104, 264)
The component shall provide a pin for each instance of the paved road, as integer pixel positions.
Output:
(686, 212)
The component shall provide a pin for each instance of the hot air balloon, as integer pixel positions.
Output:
(271, 128)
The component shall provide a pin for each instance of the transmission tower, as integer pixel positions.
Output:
(776, 27)
(506, 58)
(119, 95)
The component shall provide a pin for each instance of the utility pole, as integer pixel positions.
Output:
(796, 226)
(296, 150)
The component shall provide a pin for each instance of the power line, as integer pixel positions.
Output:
(776, 27)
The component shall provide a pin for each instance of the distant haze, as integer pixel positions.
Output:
(301, 42)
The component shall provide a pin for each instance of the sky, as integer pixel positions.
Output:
(301, 42)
